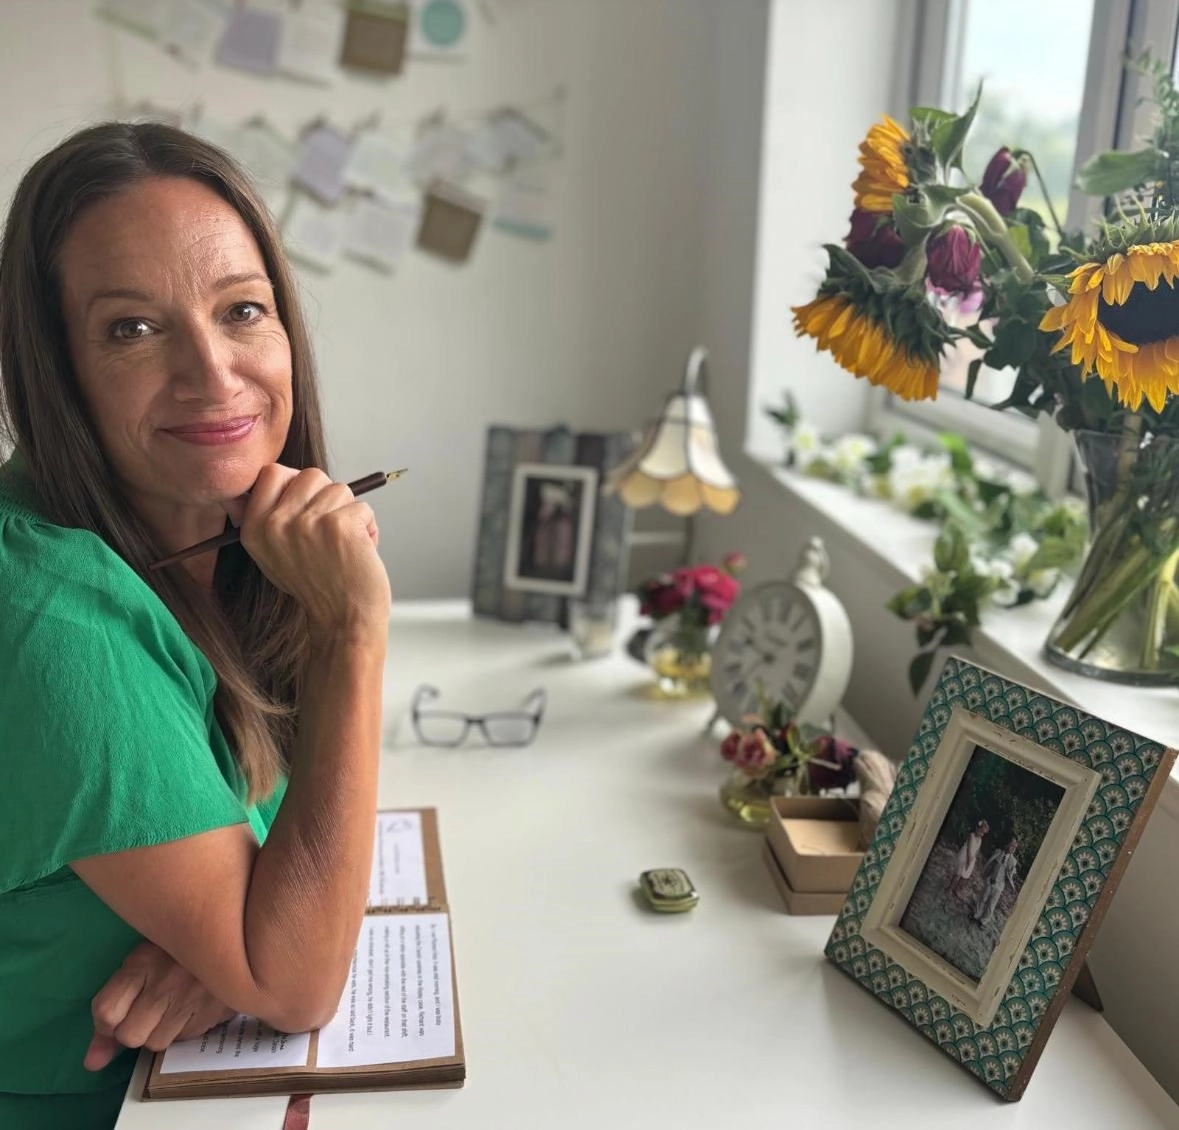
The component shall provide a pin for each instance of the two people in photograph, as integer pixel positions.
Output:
(997, 873)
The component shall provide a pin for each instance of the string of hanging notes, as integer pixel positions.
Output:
(373, 190)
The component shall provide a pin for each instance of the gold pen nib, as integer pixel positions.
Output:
(391, 475)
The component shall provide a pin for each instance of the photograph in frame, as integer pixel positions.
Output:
(508, 447)
(975, 945)
(550, 528)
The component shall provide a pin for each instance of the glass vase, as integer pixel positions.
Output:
(1121, 620)
(748, 798)
(679, 651)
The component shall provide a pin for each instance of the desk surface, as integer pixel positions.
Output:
(581, 1009)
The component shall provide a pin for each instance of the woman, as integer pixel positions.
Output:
(968, 856)
(155, 369)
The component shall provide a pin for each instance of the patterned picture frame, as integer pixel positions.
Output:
(509, 448)
(1091, 786)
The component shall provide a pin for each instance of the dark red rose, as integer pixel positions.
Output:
(836, 752)
(1004, 181)
(873, 240)
(954, 257)
(659, 597)
(731, 744)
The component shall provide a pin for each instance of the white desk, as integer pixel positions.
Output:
(580, 1009)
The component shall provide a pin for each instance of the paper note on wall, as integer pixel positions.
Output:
(525, 206)
(440, 29)
(398, 874)
(379, 162)
(313, 233)
(379, 233)
(506, 138)
(250, 40)
(238, 1045)
(310, 44)
(194, 27)
(441, 152)
(323, 155)
(398, 1004)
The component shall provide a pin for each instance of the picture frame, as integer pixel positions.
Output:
(557, 447)
(550, 528)
(978, 945)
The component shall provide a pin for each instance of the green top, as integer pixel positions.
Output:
(107, 742)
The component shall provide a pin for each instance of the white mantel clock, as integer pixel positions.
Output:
(793, 637)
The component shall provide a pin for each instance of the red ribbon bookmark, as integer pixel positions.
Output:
(298, 1113)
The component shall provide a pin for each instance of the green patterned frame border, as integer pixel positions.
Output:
(1133, 770)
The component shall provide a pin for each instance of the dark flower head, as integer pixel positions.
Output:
(873, 240)
(953, 260)
(1004, 181)
(837, 773)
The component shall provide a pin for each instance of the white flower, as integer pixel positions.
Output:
(916, 478)
(849, 452)
(807, 446)
(1021, 549)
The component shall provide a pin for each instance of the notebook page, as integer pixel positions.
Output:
(398, 876)
(398, 1004)
(240, 1044)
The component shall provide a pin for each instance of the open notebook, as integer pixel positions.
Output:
(398, 1021)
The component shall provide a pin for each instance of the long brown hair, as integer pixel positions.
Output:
(252, 633)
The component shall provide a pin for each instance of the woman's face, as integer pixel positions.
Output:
(177, 346)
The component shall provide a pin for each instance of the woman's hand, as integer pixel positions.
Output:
(315, 541)
(150, 1002)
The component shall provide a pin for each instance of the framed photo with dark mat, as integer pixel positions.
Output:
(1011, 822)
(550, 528)
(546, 532)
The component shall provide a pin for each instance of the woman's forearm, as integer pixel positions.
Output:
(310, 880)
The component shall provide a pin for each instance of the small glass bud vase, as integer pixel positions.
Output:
(748, 798)
(679, 652)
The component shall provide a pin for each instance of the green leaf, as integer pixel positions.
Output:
(1053, 553)
(919, 669)
(972, 376)
(960, 459)
(930, 116)
(911, 602)
(1112, 172)
(961, 513)
(949, 135)
(915, 218)
(957, 635)
(951, 551)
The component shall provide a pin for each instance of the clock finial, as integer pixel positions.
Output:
(813, 563)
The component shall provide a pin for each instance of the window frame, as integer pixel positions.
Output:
(1112, 116)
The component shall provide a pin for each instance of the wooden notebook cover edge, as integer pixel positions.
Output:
(436, 893)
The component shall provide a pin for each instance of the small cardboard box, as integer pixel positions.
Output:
(815, 841)
(801, 902)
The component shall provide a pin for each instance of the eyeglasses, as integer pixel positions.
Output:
(450, 728)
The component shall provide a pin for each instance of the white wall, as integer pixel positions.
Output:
(817, 111)
(591, 329)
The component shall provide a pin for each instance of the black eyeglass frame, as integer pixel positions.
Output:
(426, 693)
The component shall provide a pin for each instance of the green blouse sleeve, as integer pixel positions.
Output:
(106, 712)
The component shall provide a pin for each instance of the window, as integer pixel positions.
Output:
(1054, 84)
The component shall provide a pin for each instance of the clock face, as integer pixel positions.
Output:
(771, 638)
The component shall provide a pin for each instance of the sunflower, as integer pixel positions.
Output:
(1121, 321)
(888, 335)
(885, 171)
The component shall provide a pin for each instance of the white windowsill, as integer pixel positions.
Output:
(1008, 640)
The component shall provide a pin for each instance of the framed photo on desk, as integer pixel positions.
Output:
(546, 532)
(1012, 820)
(550, 528)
